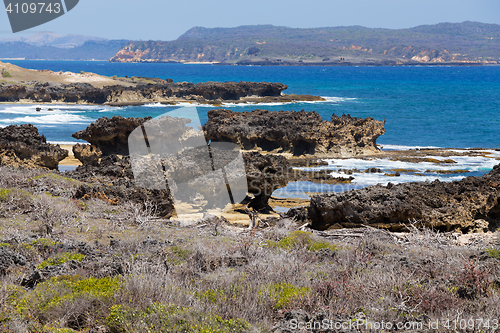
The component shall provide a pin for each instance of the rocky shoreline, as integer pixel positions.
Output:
(24, 86)
(469, 205)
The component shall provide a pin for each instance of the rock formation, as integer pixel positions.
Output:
(265, 173)
(87, 154)
(298, 133)
(469, 205)
(154, 91)
(23, 146)
(110, 135)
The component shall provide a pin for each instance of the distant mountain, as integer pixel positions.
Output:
(89, 50)
(52, 39)
(444, 43)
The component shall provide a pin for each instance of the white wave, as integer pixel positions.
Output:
(50, 109)
(331, 99)
(49, 119)
(155, 105)
(327, 99)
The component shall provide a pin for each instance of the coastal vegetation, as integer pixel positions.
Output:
(97, 270)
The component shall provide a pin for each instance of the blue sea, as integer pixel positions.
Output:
(453, 107)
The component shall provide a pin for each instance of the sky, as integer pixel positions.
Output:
(168, 19)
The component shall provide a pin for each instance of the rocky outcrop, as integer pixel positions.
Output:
(23, 146)
(469, 205)
(155, 90)
(265, 174)
(87, 154)
(110, 135)
(112, 180)
(298, 133)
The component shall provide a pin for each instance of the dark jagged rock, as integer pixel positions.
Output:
(159, 91)
(469, 205)
(9, 259)
(298, 133)
(23, 146)
(112, 180)
(265, 174)
(110, 135)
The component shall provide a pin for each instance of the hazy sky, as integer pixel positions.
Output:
(168, 19)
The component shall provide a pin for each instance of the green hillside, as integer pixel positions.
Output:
(467, 42)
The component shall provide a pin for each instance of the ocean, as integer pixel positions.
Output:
(448, 107)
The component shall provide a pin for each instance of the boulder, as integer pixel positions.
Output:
(87, 154)
(469, 205)
(297, 133)
(23, 146)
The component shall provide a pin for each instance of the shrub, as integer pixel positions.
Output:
(494, 253)
(5, 194)
(5, 73)
(61, 259)
(49, 298)
(177, 255)
(169, 318)
(283, 294)
(301, 239)
(472, 281)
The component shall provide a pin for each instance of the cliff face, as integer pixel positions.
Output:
(23, 146)
(472, 204)
(297, 133)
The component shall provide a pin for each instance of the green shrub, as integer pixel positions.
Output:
(301, 239)
(61, 259)
(283, 293)
(494, 253)
(43, 243)
(211, 295)
(5, 73)
(169, 318)
(177, 255)
(64, 289)
(5, 194)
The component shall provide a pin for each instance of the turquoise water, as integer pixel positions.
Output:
(424, 106)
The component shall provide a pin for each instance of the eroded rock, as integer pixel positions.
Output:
(110, 135)
(23, 146)
(298, 133)
(469, 205)
(87, 154)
